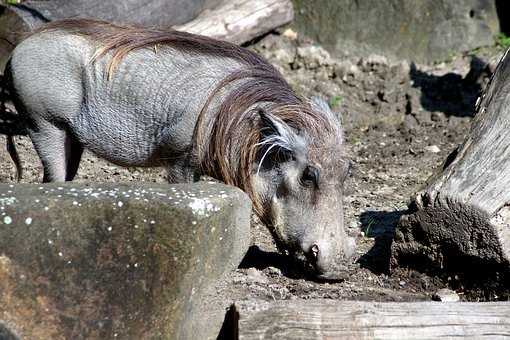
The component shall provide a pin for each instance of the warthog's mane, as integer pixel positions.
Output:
(120, 40)
(227, 139)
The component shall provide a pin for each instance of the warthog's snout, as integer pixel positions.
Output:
(330, 263)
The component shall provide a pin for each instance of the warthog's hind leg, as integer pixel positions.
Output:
(59, 152)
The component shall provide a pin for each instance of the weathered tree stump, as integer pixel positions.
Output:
(236, 21)
(462, 217)
(327, 319)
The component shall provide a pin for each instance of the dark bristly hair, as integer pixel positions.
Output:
(121, 40)
(216, 144)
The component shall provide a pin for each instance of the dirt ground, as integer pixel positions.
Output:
(401, 121)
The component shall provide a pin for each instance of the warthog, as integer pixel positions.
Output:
(197, 106)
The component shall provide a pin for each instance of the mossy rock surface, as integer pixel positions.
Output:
(111, 261)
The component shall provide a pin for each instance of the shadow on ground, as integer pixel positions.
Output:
(503, 8)
(451, 93)
(289, 266)
(260, 259)
(381, 226)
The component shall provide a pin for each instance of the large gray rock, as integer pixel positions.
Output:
(117, 261)
(423, 31)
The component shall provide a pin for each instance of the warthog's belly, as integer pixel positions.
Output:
(126, 139)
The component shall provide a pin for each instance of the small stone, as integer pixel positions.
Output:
(433, 148)
(375, 59)
(445, 295)
(314, 56)
(290, 34)
(436, 116)
(255, 275)
(274, 271)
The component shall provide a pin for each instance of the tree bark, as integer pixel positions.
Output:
(462, 217)
(239, 21)
(327, 319)
(140, 12)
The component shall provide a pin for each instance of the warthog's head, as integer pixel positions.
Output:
(299, 177)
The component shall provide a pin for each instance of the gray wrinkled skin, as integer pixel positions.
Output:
(145, 116)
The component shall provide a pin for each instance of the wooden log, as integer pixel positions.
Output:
(18, 19)
(141, 12)
(328, 319)
(461, 219)
(239, 21)
(236, 21)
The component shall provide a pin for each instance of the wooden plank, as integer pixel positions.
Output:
(328, 319)
(239, 21)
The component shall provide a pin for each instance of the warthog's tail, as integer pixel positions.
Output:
(10, 125)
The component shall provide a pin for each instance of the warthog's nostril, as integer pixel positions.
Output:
(315, 251)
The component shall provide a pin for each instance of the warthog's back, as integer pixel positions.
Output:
(144, 114)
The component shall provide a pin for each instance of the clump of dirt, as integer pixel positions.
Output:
(401, 120)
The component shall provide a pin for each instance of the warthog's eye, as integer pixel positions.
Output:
(310, 177)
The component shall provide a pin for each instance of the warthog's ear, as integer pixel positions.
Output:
(277, 136)
(321, 105)
(274, 126)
